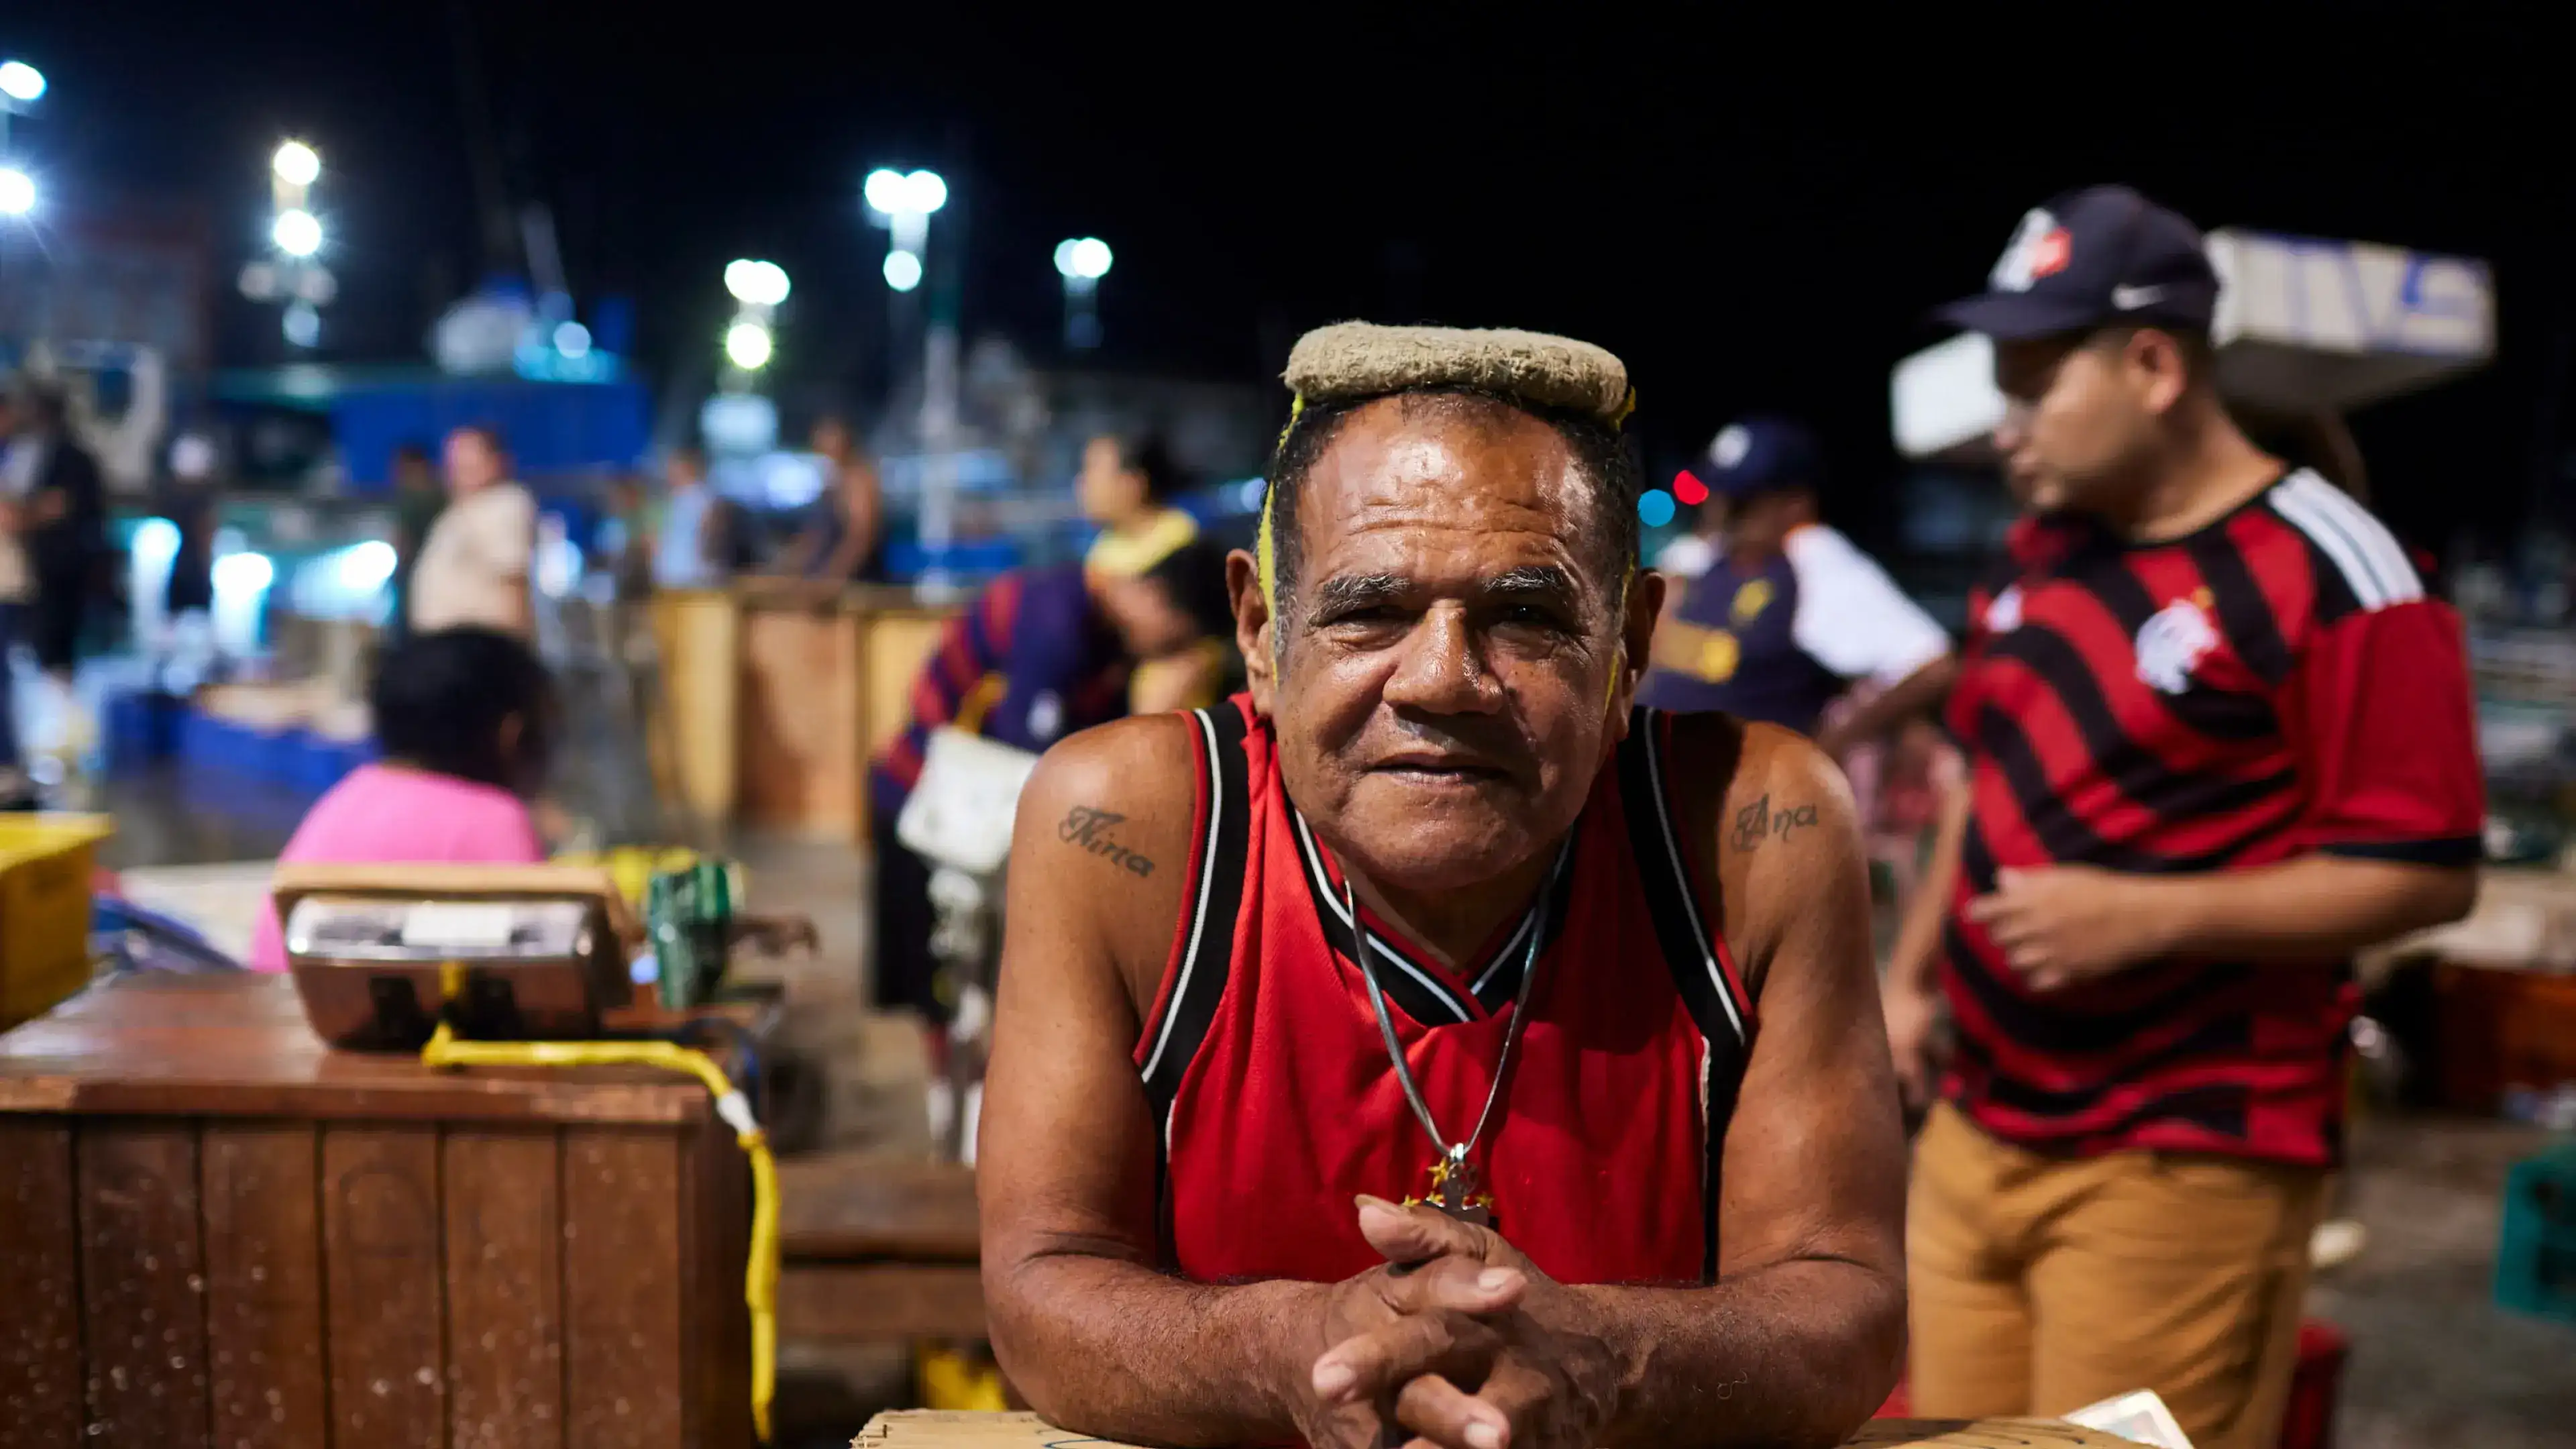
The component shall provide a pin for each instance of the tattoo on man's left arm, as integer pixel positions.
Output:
(1758, 822)
(1088, 828)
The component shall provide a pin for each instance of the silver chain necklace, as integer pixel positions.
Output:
(1456, 1186)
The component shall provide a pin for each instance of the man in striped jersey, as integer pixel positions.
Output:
(2220, 738)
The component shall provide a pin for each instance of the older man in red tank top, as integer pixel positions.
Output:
(1429, 1045)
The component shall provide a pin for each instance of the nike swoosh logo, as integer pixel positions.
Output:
(2130, 299)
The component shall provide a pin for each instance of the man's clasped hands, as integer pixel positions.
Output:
(1456, 1342)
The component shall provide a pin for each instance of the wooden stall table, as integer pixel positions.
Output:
(214, 1231)
(874, 1248)
(925, 1430)
(777, 705)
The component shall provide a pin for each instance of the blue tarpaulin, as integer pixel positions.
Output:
(551, 427)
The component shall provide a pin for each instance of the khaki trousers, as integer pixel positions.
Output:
(2042, 1284)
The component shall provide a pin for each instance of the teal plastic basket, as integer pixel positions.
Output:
(2536, 1262)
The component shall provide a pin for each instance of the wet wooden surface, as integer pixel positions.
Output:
(238, 1046)
(504, 1315)
(142, 1283)
(264, 1321)
(40, 1352)
(213, 1232)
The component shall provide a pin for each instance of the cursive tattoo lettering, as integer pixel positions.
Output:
(1087, 828)
(1758, 822)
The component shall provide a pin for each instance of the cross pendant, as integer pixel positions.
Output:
(1456, 1189)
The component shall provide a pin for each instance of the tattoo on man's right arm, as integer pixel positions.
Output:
(1088, 828)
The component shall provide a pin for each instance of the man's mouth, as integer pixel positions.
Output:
(1427, 768)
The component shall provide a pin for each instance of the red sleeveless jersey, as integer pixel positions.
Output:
(1269, 1075)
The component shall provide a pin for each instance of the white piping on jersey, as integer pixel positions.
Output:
(1332, 902)
(2373, 563)
(1207, 877)
(1682, 880)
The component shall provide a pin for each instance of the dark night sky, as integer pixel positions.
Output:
(1754, 217)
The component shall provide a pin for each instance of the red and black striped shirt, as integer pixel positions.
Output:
(2278, 683)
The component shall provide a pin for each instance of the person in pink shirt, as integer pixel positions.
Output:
(466, 719)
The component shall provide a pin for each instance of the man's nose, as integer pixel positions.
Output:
(1442, 670)
(2011, 433)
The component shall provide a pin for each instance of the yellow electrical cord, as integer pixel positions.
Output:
(760, 1279)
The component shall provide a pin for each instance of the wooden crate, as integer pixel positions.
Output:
(214, 1232)
(2497, 1029)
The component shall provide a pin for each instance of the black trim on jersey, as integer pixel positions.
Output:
(1215, 899)
(2244, 612)
(1670, 895)
(1689, 952)
(1417, 986)
(1414, 988)
(2454, 850)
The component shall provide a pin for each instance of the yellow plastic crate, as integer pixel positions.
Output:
(45, 866)
(633, 866)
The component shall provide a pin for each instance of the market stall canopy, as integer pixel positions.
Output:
(2303, 323)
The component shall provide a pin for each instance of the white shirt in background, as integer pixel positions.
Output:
(1852, 618)
(475, 564)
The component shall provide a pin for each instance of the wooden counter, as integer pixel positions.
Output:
(214, 1231)
(777, 707)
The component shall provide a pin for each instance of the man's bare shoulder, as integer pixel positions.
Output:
(1773, 818)
(1107, 820)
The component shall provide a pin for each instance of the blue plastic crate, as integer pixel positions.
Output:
(142, 728)
(317, 764)
(206, 742)
(2536, 1262)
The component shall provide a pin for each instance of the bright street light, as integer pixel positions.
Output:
(21, 82)
(895, 194)
(902, 271)
(759, 284)
(17, 192)
(297, 233)
(1085, 258)
(296, 164)
(748, 345)
(572, 339)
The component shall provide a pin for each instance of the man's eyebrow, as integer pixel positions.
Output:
(1532, 579)
(1346, 591)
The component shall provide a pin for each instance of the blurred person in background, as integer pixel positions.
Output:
(476, 562)
(17, 591)
(845, 544)
(192, 500)
(1784, 613)
(1126, 486)
(2220, 738)
(691, 531)
(60, 521)
(418, 500)
(1038, 655)
(467, 719)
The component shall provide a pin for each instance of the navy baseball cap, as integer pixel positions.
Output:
(1754, 454)
(2094, 258)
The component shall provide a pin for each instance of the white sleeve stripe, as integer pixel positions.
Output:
(2302, 514)
(2386, 554)
(2347, 559)
(2372, 562)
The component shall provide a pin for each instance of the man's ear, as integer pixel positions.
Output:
(1252, 624)
(1637, 646)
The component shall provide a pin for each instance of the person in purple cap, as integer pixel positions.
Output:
(1773, 615)
(2219, 739)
